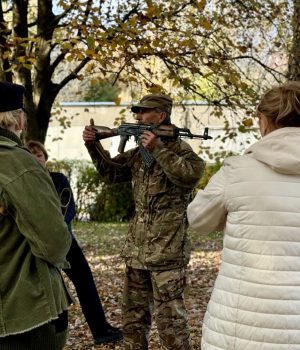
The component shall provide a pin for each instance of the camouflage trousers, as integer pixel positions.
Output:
(162, 292)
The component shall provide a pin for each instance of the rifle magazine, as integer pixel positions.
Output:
(147, 156)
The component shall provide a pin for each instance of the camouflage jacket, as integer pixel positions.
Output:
(157, 236)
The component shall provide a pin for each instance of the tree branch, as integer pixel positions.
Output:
(270, 70)
(58, 18)
(86, 14)
(73, 74)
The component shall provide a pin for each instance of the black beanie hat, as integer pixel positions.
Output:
(11, 96)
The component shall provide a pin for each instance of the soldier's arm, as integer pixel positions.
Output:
(112, 170)
(184, 168)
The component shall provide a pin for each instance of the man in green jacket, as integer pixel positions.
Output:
(157, 248)
(34, 241)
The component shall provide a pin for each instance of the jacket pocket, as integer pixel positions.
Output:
(166, 246)
(168, 285)
(159, 182)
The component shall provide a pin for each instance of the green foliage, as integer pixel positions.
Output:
(94, 199)
(64, 166)
(114, 203)
(84, 180)
(88, 185)
(101, 91)
(210, 170)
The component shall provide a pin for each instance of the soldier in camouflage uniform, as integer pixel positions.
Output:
(157, 248)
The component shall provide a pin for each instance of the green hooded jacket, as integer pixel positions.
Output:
(157, 236)
(34, 241)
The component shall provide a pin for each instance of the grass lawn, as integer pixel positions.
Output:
(101, 244)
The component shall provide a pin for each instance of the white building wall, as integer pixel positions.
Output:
(195, 117)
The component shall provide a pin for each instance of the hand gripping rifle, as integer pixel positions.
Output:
(126, 130)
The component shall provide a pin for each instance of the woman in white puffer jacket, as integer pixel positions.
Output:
(255, 199)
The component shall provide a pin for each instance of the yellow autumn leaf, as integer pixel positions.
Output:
(243, 49)
(6, 55)
(90, 42)
(89, 52)
(69, 58)
(201, 4)
(94, 82)
(151, 11)
(248, 122)
(117, 101)
(205, 23)
(27, 66)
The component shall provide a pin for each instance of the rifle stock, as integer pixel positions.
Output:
(103, 132)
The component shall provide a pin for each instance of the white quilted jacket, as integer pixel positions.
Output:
(255, 304)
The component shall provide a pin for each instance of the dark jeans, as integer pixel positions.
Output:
(81, 276)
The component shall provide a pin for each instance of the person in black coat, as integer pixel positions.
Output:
(79, 272)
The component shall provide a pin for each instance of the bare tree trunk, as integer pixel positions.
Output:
(40, 93)
(5, 72)
(39, 116)
(294, 55)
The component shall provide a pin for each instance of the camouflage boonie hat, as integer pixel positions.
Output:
(160, 101)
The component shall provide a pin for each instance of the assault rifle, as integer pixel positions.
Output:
(127, 130)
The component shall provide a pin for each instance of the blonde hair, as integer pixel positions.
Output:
(11, 118)
(33, 145)
(281, 105)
